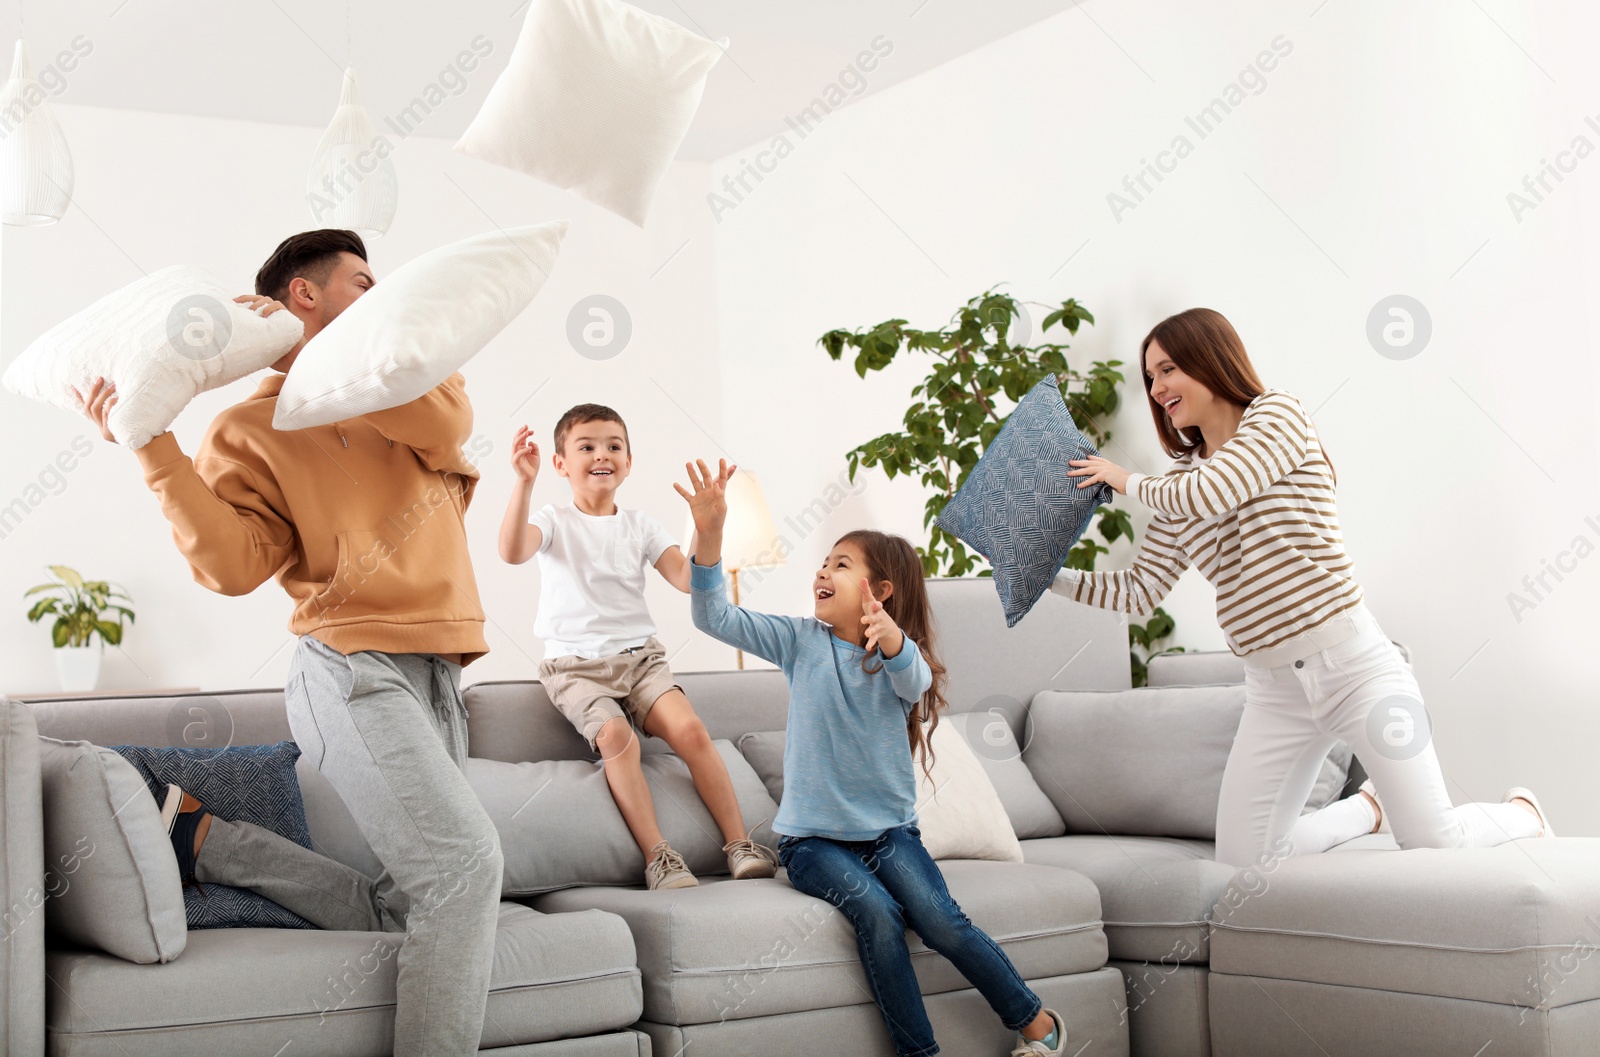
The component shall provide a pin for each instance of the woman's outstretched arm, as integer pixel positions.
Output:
(1137, 590)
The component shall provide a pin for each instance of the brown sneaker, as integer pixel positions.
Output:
(667, 869)
(748, 859)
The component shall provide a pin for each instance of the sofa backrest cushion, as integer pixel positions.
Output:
(514, 722)
(990, 738)
(116, 885)
(1146, 761)
(763, 750)
(559, 826)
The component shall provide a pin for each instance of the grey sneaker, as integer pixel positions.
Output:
(747, 859)
(667, 869)
(1036, 1047)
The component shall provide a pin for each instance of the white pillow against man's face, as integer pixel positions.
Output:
(417, 327)
(958, 811)
(596, 99)
(161, 341)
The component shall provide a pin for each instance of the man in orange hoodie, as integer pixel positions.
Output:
(362, 523)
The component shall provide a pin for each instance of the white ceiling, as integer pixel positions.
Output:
(280, 60)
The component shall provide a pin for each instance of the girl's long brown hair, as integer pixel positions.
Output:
(1205, 347)
(893, 558)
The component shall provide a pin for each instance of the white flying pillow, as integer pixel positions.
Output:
(959, 812)
(596, 99)
(417, 327)
(162, 340)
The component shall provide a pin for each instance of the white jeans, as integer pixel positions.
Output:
(1342, 681)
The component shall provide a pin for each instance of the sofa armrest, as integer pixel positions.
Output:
(22, 885)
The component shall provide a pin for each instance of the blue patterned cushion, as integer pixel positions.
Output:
(246, 783)
(1018, 507)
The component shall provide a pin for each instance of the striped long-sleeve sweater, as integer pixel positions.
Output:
(1258, 519)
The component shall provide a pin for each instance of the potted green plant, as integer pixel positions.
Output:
(81, 608)
(982, 364)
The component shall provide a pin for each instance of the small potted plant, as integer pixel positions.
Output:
(81, 629)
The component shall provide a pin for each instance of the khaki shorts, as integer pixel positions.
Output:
(591, 690)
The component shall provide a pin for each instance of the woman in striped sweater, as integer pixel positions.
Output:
(1250, 501)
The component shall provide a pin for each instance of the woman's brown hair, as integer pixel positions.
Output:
(1205, 347)
(893, 558)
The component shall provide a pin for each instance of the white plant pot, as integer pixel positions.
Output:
(79, 666)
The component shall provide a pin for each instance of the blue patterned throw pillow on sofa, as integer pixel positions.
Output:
(1018, 508)
(245, 783)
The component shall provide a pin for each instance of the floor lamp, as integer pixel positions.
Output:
(749, 538)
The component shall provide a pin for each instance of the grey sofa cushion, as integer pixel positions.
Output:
(559, 825)
(738, 949)
(1156, 893)
(1513, 925)
(763, 750)
(989, 734)
(120, 890)
(256, 990)
(515, 722)
(1145, 761)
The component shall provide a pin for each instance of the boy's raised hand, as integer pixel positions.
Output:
(882, 631)
(525, 455)
(708, 503)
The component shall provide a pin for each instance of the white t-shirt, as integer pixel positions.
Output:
(592, 575)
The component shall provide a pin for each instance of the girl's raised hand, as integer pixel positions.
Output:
(708, 503)
(525, 455)
(882, 632)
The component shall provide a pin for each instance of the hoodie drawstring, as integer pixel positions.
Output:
(346, 443)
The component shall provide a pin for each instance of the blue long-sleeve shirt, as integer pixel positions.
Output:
(847, 768)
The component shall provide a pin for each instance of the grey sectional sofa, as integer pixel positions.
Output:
(1119, 917)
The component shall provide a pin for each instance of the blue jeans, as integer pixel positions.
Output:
(883, 886)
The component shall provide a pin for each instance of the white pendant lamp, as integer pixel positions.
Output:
(352, 182)
(35, 164)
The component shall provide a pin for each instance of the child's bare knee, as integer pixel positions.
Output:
(616, 739)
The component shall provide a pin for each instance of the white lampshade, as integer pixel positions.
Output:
(749, 539)
(35, 164)
(352, 183)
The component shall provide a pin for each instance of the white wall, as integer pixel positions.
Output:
(156, 189)
(1376, 160)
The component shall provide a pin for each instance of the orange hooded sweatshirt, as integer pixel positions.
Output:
(362, 521)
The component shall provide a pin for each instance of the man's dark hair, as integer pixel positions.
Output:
(309, 255)
(588, 413)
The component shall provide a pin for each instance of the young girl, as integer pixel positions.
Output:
(1250, 500)
(863, 681)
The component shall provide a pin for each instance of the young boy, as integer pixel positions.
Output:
(603, 665)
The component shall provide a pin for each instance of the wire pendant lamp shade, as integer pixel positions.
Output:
(35, 164)
(352, 183)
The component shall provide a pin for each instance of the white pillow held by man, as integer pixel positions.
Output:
(160, 341)
(417, 327)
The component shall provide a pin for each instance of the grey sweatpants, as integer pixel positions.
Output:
(389, 731)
